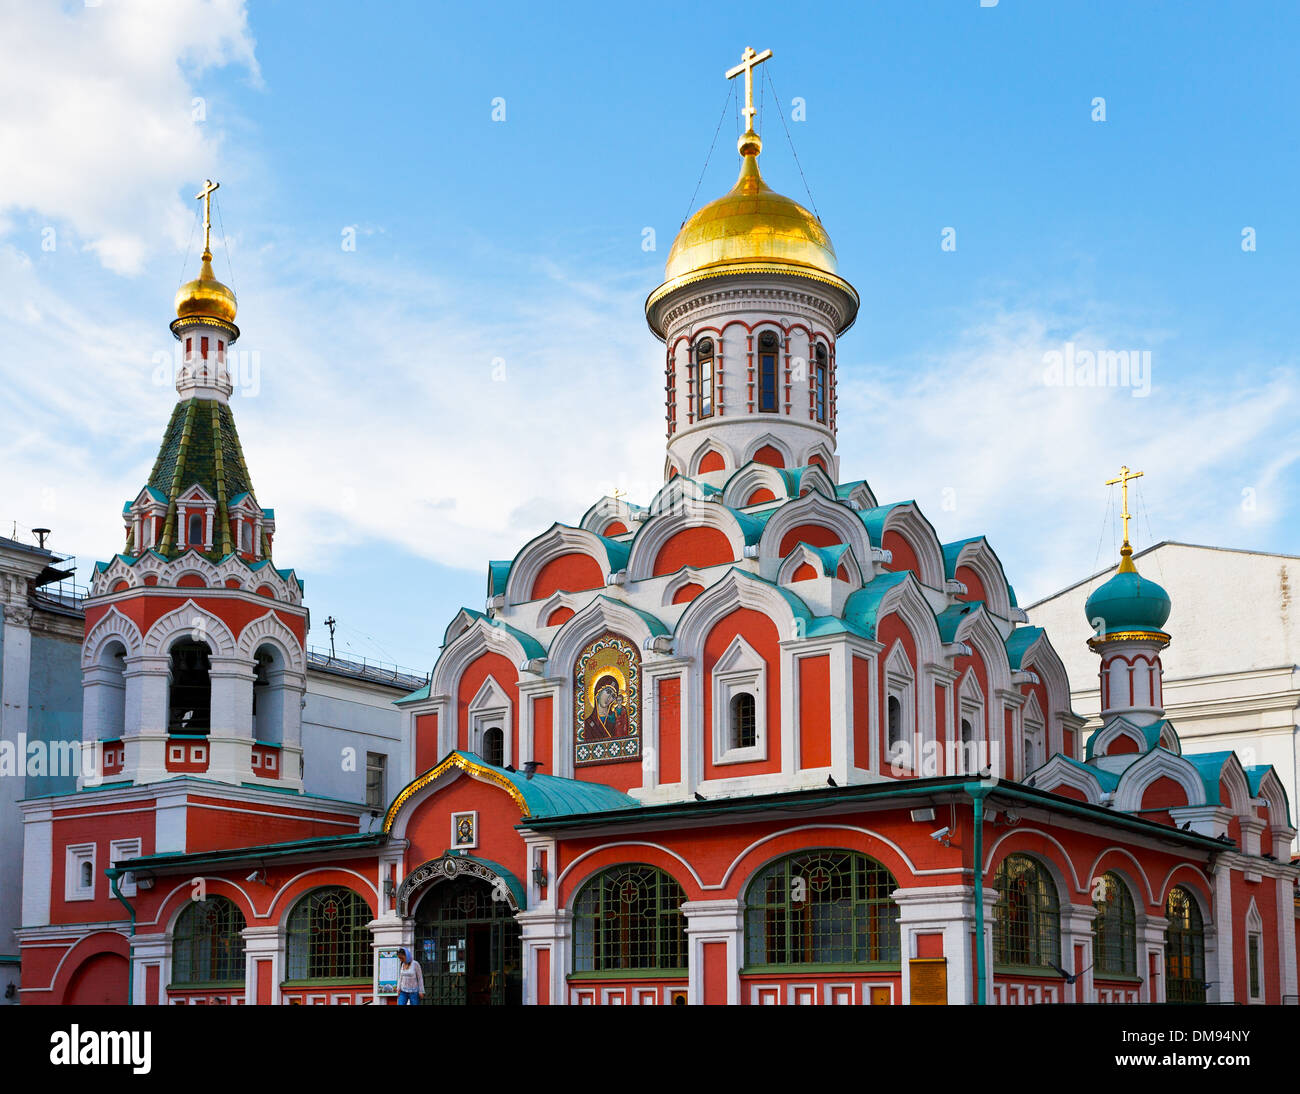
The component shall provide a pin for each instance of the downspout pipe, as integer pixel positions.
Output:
(978, 792)
(113, 875)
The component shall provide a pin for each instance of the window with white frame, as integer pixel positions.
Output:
(971, 754)
(118, 851)
(1254, 954)
(489, 715)
(1035, 734)
(900, 707)
(739, 705)
(79, 873)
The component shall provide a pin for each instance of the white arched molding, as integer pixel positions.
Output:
(979, 556)
(906, 519)
(820, 448)
(1157, 764)
(659, 529)
(907, 601)
(1058, 772)
(678, 492)
(754, 476)
(480, 637)
(1042, 659)
(770, 440)
(712, 444)
(190, 621)
(900, 684)
(860, 496)
(801, 553)
(1112, 731)
(1272, 791)
(737, 589)
(491, 708)
(113, 626)
(741, 670)
(270, 629)
(575, 602)
(683, 577)
(555, 542)
(601, 515)
(978, 631)
(811, 509)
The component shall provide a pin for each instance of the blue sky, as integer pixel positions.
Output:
(372, 423)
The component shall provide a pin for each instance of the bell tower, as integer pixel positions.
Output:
(193, 661)
(750, 310)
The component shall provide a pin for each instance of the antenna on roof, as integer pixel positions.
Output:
(331, 622)
(41, 533)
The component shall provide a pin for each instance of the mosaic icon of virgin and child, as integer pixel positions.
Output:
(608, 718)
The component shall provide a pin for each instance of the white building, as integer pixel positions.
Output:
(1231, 677)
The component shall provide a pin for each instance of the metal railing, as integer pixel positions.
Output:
(365, 668)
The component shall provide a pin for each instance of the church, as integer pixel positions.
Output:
(759, 739)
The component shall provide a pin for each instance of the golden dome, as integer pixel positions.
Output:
(751, 230)
(205, 297)
(751, 223)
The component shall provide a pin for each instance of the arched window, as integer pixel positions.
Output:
(1114, 931)
(894, 712)
(1184, 948)
(819, 382)
(328, 938)
(190, 698)
(630, 917)
(767, 388)
(87, 875)
(744, 722)
(1026, 916)
(822, 907)
(195, 536)
(208, 943)
(268, 695)
(494, 746)
(246, 538)
(704, 376)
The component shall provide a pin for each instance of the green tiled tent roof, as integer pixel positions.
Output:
(201, 446)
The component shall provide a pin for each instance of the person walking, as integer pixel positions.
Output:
(410, 980)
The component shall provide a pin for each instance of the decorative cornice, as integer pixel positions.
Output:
(455, 760)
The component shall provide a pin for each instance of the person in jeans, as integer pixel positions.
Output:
(410, 981)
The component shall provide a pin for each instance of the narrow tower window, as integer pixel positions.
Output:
(195, 538)
(744, 723)
(190, 705)
(819, 383)
(704, 374)
(767, 346)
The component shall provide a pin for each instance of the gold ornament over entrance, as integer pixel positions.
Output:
(1124, 478)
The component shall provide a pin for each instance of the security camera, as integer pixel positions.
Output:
(941, 834)
(253, 876)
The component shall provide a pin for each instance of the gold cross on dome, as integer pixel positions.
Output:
(1125, 477)
(748, 60)
(205, 196)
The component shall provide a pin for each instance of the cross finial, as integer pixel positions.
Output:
(1125, 477)
(205, 196)
(748, 60)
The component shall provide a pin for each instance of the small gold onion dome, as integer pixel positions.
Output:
(751, 223)
(205, 297)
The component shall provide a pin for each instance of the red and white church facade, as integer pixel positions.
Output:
(761, 740)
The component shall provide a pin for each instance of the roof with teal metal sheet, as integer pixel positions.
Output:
(1255, 777)
(862, 608)
(875, 518)
(555, 796)
(498, 571)
(954, 615)
(951, 551)
(1150, 733)
(1018, 643)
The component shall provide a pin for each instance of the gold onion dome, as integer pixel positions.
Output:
(751, 224)
(205, 297)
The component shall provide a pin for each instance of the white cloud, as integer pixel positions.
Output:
(99, 137)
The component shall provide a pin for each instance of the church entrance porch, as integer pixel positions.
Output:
(469, 945)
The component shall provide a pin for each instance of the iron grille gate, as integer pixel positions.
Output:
(469, 946)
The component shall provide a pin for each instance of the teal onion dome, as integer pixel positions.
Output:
(1128, 602)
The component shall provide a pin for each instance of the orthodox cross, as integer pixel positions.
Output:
(205, 196)
(748, 60)
(1125, 477)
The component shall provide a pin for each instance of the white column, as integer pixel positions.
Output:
(711, 921)
(144, 737)
(553, 931)
(230, 740)
(1076, 930)
(948, 910)
(262, 944)
(151, 951)
(1219, 927)
(389, 933)
(1286, 937)
(207, 529)
(1151, 945)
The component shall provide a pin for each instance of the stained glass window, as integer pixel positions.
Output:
(820, 908)
(208, 943)
(1026, 916)
(328, 938)
(1184, 948)
(1114, 930)
(630, 917)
